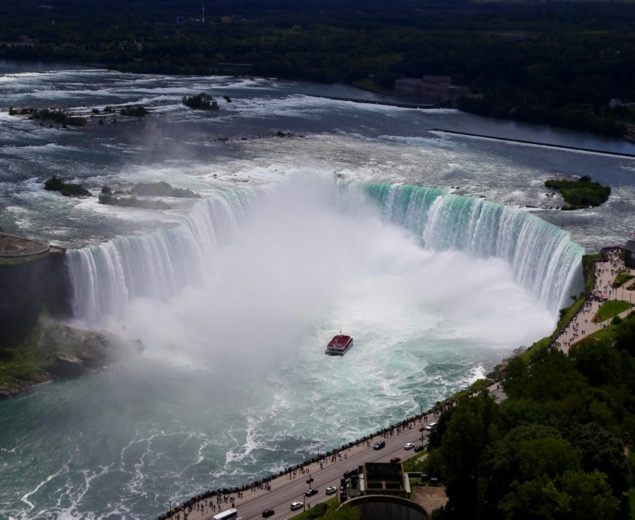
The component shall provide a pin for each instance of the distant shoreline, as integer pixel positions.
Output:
(536, 143)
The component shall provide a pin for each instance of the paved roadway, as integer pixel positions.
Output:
(289, 487)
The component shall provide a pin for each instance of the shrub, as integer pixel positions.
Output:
(581, 193)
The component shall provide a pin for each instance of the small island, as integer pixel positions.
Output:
(128, 198)
(200, 102)
(57, 116)
(68, 189)
(583, 193)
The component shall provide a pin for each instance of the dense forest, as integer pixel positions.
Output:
(570, 64)
(555, 449)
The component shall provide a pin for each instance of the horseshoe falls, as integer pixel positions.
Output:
(235, 305)
(108, 277)
(542, 257)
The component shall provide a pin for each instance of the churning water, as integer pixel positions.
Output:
(316, 215)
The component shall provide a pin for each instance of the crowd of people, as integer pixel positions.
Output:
(217, 500)
(581, 323)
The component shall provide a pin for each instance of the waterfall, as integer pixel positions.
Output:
(106, 277)
(544, 259)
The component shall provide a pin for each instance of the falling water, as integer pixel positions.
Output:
(543, 259)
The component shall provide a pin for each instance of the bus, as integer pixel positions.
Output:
(230, 514)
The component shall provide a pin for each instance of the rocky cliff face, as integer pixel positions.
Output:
(28, 286)
(53, 350)
(35, 345)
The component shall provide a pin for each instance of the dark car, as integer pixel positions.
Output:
(350, 473)
(379, 445)
(310, 492)
(419, 447)
(268, 512)
(394, 460)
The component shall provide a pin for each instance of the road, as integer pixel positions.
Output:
(291, 487)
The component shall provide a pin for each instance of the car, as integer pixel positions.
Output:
(409, 446)
(296, 505)
(310, 492)
(431, 425)
(395, 460)
(350, 473)
(268, 512)
(419, 447)
(331, 490)
(379, 445)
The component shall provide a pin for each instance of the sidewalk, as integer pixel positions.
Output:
(205, 507)
(582, 323)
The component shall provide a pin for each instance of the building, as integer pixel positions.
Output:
(381, 478)
(435, 90)
(381, 491)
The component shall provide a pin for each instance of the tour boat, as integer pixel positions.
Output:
(339, 345)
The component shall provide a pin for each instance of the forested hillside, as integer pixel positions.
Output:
(555, 448)
(557, 63)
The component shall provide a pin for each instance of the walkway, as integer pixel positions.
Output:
(582, 323)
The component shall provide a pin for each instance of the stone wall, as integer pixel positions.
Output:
(30, 284)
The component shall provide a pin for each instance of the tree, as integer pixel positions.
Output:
(572, 495)
(602, 451)
(516, 466)
(550, 376)
(462, 445)
(597, 360)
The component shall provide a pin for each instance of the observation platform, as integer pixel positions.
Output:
(12, 246)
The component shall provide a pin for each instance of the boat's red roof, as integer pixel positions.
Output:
(339, 341)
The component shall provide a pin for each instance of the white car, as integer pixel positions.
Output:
(296, 505)
(331, 490)
(409, 446)
(431, 425)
